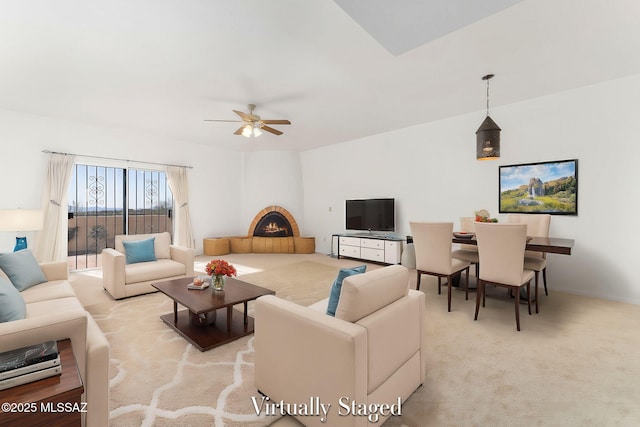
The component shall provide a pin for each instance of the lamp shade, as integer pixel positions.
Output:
(20, 219)
(488, 140)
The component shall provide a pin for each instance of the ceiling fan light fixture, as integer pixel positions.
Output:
(246, 131)
(251, 129)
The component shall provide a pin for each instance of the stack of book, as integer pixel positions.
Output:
(28, 364)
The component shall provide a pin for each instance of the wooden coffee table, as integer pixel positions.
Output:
(209, 319)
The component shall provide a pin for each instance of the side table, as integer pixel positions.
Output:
(54, 401)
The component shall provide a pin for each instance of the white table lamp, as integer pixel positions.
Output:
(20, 220)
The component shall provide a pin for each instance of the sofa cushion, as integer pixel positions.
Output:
(22, 269)
(334, 295)
(139, 250)
(162, 244)
(12, 306)
(362, 294)
(60, 305)
(155, 270)
(48, 290)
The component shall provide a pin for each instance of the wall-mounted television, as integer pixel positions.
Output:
(370, 214)
(543, 188)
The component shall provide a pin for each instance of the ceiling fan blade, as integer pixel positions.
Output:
(271, 130)
(243, 115)
(239, 131)
(231, 121)
(276, 122)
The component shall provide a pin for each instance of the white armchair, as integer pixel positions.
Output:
(372, 352)
(123, 280)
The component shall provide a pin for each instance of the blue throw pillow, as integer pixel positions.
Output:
(334, 296)
(22, 269)
(12, 306)
(139, 250)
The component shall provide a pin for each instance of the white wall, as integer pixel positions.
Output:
(215, 190)
(430, 169)
(271, 178)
(432, 173)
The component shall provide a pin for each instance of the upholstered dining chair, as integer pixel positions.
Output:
(537, 226)
(501, 250)
(467, 253)
(432, 242)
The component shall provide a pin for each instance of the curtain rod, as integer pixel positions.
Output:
(113, 158)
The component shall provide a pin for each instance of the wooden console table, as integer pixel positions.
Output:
(53, 401)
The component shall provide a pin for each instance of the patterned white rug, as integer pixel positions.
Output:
(159, 379)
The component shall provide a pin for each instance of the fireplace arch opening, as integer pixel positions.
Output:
(274, 221)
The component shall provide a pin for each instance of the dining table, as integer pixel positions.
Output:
(553, 245)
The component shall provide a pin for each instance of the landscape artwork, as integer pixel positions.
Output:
(545, 187)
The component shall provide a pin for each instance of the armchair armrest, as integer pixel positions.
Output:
(184, 256)
(56, 270)
(300, 352)
(56, 326)
(113, 273)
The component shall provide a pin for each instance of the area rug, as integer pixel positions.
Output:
(159, 379)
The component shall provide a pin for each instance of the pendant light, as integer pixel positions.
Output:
(488, 134)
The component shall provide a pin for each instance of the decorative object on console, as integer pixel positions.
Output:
(539, 188)
(488, 134)
(218, 269)
(20, 220)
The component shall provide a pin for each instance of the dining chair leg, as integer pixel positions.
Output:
(439, 285)
(466, 297)
(480, 289)
(536, 295)
(544, 279)
(484, 293)
(529, 296)
(448, 292)
(418, 280)
(517, 300)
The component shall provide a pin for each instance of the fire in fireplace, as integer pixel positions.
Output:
(273, 224)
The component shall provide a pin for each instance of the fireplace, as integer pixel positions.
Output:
(273, 224)
(274, 221)
(273, 230)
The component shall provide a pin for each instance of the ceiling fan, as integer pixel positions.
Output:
(253, 125)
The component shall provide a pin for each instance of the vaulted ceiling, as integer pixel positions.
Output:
(338, 70)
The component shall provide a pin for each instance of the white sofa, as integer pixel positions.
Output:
(371, 352)
(53, 312)
(123, 280)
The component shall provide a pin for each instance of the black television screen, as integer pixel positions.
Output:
(370, 214)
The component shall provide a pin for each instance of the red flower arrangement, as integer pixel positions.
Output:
(220, 267)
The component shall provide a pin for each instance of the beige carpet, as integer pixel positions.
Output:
(157, 378)
(576, 363)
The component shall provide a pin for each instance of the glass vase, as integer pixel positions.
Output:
(217, 283)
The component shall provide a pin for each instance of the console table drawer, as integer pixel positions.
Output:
(372, 243)
(370, 254)
(350, 241)
(350, 251)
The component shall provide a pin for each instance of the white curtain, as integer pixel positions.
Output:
(183, 233)
(51, 241)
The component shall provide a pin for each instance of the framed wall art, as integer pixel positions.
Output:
(542, 188)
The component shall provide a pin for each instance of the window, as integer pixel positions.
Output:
(106, 201)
